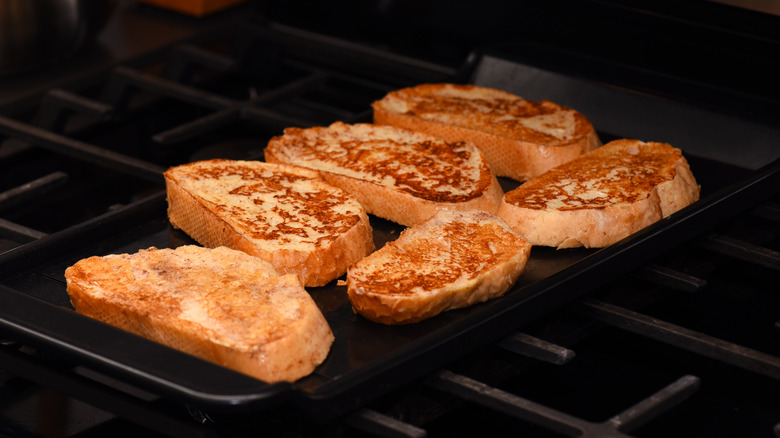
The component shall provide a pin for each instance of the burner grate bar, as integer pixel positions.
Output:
(85, 151)
(125, 79)
(524, 409)
(768, 210)
(58, 103)
(690, 340)
(671, 278)
(19, 232)
(504, 402)
(536, 348)
(111, 400)
(235, 110)
(742, 250)
(298, 86)
(32, 189)
(274, 121)
(351, 78)
(183, 56)
(662, 401)
(196, 127)
(378, 424)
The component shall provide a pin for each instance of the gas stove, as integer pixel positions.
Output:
(671, 332)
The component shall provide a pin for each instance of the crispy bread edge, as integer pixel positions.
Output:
(589, 228)
(598, 228)
(316, 268)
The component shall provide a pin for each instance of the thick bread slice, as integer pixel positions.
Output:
(603, 196)
(396, 174)
(285, 215)
(453, 260)
(520, 138)
(220, 304)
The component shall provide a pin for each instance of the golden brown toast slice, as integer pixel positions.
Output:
(283, 214)
(520, 138)
(453, 260)
(220, 304)
(394, 173)
(603, 196)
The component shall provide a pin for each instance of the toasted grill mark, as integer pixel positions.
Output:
(459, 251)
(541, 122)
(274, 206)
(595, 181)
(421, 166)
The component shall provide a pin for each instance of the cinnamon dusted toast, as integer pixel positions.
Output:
(453, 260)
(396, 174)
(283, 214)
(220, 304)
(603, 196)
(520, 138)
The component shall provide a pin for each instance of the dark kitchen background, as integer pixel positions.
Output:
(672, 332)
(729, 43)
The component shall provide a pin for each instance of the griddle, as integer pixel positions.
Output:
(368, 359)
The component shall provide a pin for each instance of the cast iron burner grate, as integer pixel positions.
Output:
(221, 95)
(717, 372)
(685, 345)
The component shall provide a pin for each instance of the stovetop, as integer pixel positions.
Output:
(644, 354)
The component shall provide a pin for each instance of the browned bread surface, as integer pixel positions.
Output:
(453, 260)
(520, 138)
(283, 214)
(396, 174)
(603, 196)
(220, 304)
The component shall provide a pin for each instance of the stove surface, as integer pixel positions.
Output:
(682, 344)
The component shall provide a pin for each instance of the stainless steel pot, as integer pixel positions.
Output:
(37, 33)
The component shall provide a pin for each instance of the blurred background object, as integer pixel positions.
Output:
(35, 34)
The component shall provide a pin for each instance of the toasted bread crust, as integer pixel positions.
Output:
(453, 260)
(602, 197)
(394, 173)
(221, 305)
(285, 215)
(521, 139)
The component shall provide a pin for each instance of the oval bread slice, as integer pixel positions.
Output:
(520, 138)
(603, 196)
(394, 173)
(220, 304)
(453, 260)
(283, 214)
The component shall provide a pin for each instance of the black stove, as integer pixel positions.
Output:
(671, 332)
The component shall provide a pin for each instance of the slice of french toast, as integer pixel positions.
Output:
(603, 196)
(283, 214)
(520, 138)
(396, 174)
(221, 305)
(453, 260)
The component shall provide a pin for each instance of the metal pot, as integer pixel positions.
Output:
(37, 33)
